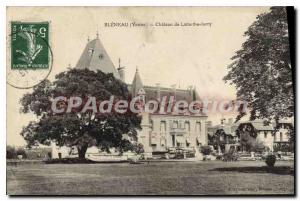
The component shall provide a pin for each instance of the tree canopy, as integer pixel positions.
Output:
(74, 128)
(261, 70)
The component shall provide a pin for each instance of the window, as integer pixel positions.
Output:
(265, 134)
(101, 56)
(198, 126)
(142, 98)
(162, 126)
(281, 137)
(222, 137)
(162, 142)
(187, 126)
(175, 124)
(91, 50)
(180, 124)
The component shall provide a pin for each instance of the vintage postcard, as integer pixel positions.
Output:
(150, 101)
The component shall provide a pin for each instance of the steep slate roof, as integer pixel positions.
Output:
(153, 92)
(229, 129)
(180, 94)
(95, 57)
(137, 83)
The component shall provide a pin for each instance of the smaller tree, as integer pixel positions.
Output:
(248, 142)
(135, 147)
(248, 138)
(206, 150)
(270, 160)
(138, 148)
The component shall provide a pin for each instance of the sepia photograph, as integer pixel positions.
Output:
(150, 101)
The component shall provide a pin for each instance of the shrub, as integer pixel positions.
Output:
(270, 160)
(135, 147)
(21, 151)
(258, 147)
(11, 152)
(230, 156)
(219, 157)
(206, 150)
(284, 147)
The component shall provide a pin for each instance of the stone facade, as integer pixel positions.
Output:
(162, 132)
(268, 134)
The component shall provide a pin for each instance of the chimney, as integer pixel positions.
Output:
(190, 88)
(174, 90)
(121, 71)
(158, 91)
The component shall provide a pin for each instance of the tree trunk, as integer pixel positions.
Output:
(82, 150)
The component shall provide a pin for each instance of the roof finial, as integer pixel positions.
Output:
(88, 39)
(137, 69)
(119, 62)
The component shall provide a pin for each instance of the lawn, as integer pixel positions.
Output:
(155, 178)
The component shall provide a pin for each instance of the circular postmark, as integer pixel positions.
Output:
(31, 58)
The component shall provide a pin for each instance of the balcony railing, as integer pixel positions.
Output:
(178, 130)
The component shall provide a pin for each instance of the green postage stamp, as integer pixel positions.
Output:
(29, 45)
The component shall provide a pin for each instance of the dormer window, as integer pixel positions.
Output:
(101, 56)
(91, 50)
(142, 98)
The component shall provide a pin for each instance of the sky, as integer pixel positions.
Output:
(183, 55)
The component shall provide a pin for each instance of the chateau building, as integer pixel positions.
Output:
(228, 135)
(282, 134)
(266, 133)
(160, 132)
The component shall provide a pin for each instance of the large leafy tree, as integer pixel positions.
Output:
(248, 138)
(261, 70)
(80, 129)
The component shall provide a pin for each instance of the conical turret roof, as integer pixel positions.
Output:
(95, 57)
(137, 83)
